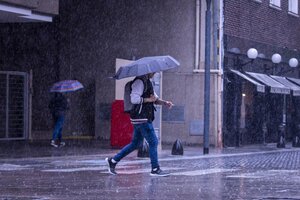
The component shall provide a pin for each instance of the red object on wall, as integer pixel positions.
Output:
(121, 127)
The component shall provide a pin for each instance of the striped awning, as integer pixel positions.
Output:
(276, 87)
(295, 88)
(259, 87)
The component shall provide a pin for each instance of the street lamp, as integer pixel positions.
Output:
(252, 53)
(293, 62)
(276, 58)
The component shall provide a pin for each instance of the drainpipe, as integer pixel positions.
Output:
(218, 76)
(30, 105)
(221, 64)
(215, 32)
(197, 45)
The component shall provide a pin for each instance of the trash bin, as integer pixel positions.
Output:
(121, 127)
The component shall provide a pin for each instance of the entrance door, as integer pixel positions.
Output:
(13, 105)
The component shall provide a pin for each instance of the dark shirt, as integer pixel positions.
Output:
(58, 104)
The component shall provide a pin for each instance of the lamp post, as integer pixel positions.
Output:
(237, 97)
(276, 59)
(207, 78)
(293, 62)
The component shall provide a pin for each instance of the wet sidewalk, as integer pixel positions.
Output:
(26, 149)
(78, 171)
(42, 148)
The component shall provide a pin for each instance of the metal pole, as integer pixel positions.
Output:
(207, 78)
(282, 126)
(284, 110)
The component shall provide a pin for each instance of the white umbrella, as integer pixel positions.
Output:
(146, 65)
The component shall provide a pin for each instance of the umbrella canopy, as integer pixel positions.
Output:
(146, 65)
(66, 86)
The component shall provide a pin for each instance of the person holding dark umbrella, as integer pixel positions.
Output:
(142, 115)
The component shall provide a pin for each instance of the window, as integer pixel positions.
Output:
(275, 3)
(293, 6)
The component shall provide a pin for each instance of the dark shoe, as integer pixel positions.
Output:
(111, 166)
(158, 172)
(54, 143)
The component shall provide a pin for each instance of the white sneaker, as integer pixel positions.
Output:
(53, 143)
(61, 144)
(158, 172)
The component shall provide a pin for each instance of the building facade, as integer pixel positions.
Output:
(83, 42)
(85, 38)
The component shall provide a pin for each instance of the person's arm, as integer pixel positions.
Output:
(169, 104)
(137, 92)
(159, 101)
(137, 89)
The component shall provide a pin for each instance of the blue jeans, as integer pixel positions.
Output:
(141, 131)
(59, 123)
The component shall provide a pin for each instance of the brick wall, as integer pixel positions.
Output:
(259, 22)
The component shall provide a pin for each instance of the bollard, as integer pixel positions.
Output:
(281, 136)
(143, 150)
(177, 148)
(265, 132)
(296, 139)
(296, 142)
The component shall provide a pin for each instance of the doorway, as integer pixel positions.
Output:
(13, 105)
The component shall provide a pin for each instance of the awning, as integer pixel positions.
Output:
(295, 88)
(276, 87)
(259, 87)
(295, 80)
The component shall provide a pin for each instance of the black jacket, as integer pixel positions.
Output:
(143, 111)
(58, 104)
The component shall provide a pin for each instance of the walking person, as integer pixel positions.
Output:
(143, 98)
(58, 106)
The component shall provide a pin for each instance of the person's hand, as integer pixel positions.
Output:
(152, 98)
(169, 104)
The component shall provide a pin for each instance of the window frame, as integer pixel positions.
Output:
(275, 4)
